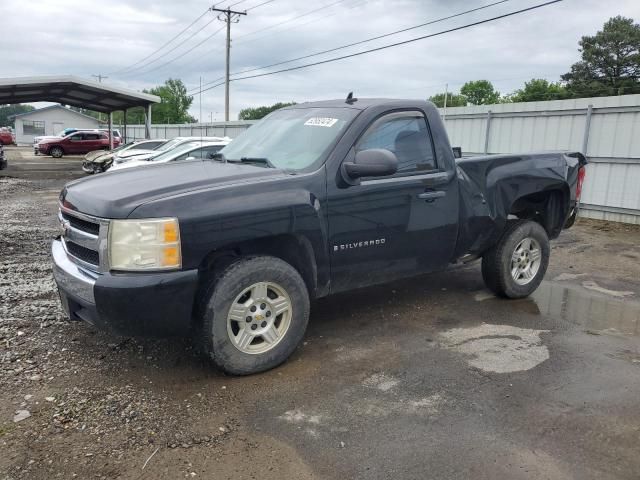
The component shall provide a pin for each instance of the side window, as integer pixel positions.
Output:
(90, 136)
(76, 138)
(407, 135)
(184, 156)
(208, 152)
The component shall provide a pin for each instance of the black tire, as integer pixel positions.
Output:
(496, 262)
(218, 298)
(56, 152)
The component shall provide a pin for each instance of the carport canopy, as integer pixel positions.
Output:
(76, 92)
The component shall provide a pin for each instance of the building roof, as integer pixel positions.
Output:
(38, 110)
(74, 91)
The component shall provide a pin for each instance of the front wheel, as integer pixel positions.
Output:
(56, 152)
(254, 315)
(516, 265)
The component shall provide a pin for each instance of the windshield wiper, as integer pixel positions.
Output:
(261, 160)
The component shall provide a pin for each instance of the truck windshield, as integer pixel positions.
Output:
(291, 139)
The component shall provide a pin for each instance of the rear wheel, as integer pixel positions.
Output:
(254, 315)
(516, 265)
(56, 152)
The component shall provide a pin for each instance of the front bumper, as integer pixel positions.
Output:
(88, 167)
(150, 304)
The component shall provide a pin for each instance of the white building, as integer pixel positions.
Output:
(49, 121)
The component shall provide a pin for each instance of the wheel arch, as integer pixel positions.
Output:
(294, 249)
(548, 207)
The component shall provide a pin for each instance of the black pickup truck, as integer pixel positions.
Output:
(314, 199)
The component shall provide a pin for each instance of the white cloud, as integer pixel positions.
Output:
(90, 37)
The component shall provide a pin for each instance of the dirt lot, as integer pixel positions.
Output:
(431, 377)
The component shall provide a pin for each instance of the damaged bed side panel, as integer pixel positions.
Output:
(493, 187)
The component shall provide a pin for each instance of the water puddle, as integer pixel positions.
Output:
(596, 313)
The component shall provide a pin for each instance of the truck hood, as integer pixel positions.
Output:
(117, 194)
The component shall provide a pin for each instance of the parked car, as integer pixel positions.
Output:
(171, 144)
(3, 159)
(76, 143)
(7, 137)
(68, 131)
(99, 161)
(195, 150)
(312, 200)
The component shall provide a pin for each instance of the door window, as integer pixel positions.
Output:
(76, 138)
(91, 136)
(407, 135)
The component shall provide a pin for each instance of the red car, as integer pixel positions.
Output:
(76, 143)
(6, 137)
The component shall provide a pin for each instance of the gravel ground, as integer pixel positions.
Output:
(378, 390)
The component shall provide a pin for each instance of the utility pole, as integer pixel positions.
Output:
(227, 16)
(99, 77)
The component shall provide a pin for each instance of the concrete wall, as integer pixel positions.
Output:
(609, 133)
(55, 120)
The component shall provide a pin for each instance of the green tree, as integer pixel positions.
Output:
(7, 111)
(173, 108)
(259, 112)
(610, 62)
(175, 104)
(480, 92)
(539, 89)
(453, 100)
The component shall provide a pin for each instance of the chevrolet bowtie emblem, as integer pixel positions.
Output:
(259, 317)
(64, 226)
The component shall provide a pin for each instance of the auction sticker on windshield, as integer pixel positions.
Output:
(321, 122)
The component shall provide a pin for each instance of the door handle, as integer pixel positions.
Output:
(431, 196)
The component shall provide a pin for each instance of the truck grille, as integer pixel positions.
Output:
(83, 253)
(81, 238)
(80, 224)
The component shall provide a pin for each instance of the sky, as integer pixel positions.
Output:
(114, 38)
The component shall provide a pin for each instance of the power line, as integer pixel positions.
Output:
(384, 47)
(142, 67)
(364, 41)
(234, 4)
(298, 25)
(180, 55)
(172, 49)
(259, 5)
(295, 26)
(373, 38)
(290, 19)
(163, 45)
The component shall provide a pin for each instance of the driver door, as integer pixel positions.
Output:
(396, 226)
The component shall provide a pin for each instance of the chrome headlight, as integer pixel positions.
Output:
(152, 244)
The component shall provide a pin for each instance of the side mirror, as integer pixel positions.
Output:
(375, 162)
(457, 152)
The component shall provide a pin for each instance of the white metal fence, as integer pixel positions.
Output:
(213, 129)
(606, 128)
